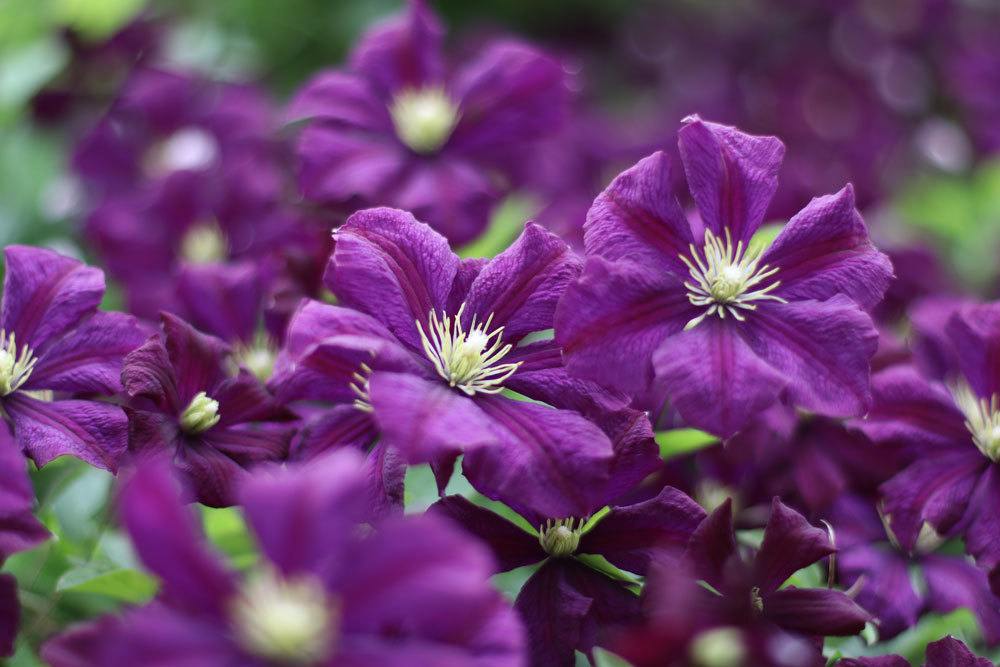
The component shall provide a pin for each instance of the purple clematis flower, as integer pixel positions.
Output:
(397, 128)
(947, 652)
(187, 406)
(692, 308)
(953, 484)
(569, 603)
(326, 592)
(424, 348)
(58, 353)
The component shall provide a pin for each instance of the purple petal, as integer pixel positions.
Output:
(545, 463)
(340, 97)
(46, 294)
(90, 359)
(825, 250)
(880, 661)
(521, 286)
(632, 536)
(823, 349)
(386, 473)
(713, 545)
(982, 523)
(244, 399)
(304, 516)
(198, 359)
(392, 267)
(953, 583)
(886, 589)
(638, 218)
(815, 611)
(248, 444)
(224, 300)
(935, 489)
(950, 652)
(716, 381)
(511, 545)
(147, 373)
(732, 176)
(402, 52)
(610, 322)
(335, 165)
(19, 529)
(975, 334)
(339, 426)
(790, 544)
(166, 537)
(81, 645)
(91, 431)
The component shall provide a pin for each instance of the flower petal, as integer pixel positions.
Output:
(340, 97)
(954, 583)
(198, 359)
(610, 322)
(638, 218)
(521, 286)
(815, 611)
(224, 300)
(46, 294)
(336, 427)
(148, 374)
(732, 176)
(19, 529)
(335, 165)
(790, 544)
(714, 379)
(91, 431)
(167, 539)
(975, 334)
(511, 545)
(713, 545)
(633, 536)
(394, 268)
(823, 349)
(982, 525)
(886, 588)
(825, 250)
(950, 652)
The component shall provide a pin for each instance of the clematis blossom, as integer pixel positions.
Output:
(325, 592)
(694, 309)
(947, 652)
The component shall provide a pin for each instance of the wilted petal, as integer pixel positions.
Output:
(823, 349)
(511, 545)
(715, 380)
(521, 286)
(815, 611)
(732, 176)
(790, 544)
(638, 218)
(45, 294)
(825, 250)
(166, 537)
(394, 268)
(91, 431)
(610, 322)
(632, 536)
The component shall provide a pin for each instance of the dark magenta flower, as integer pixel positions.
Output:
(398, 127)
(427, 345)
(686, 306)
(189, 405)
(569, 604)
(327, 591)
(58, 354)
(947, 652)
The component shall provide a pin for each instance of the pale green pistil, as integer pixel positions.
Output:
(982, 418)
(467, 360)
(15, 366)
(204, 244)
(424, 118)
(289, 621)
(201, 414)
(560, 538)
(726, 279)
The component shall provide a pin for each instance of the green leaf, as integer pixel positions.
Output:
(604, 658)
(680, 441)
(96, 19)
(227, 529)
(123, 584)
(505, 225)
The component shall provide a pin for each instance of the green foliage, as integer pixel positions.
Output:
(681, 441)
(505, 226)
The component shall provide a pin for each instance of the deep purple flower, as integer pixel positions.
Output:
(57, 355)
(426, 345)
(568, 604)
(691, 308)
(187, 405)
(953, 485)
(947, 652)
(397, 127)
(326, 593)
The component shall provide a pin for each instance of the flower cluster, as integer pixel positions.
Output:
(687, 431)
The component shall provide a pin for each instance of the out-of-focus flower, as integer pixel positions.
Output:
(397, 128)
(327, 592)
(947, 652)
(692, 308)
(187, 405)
(58, 354)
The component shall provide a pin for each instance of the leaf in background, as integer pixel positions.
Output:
(603, 658)
(505, 225)
(912, 644)
(680, 441)
(104, 578)
(228, 531)
(96, 19)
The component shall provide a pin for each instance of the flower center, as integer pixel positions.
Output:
(189, 148)
(15, 367)
(560, 538)
(424, 118)
(257, 357)
(469, 359)
(721, 647)
(285, 620)
(203, 244)
(982, 418)
(756, 601)
(725, 278)
(201, 414)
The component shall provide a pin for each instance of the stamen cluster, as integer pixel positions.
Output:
(15, 366)
(982, 418)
